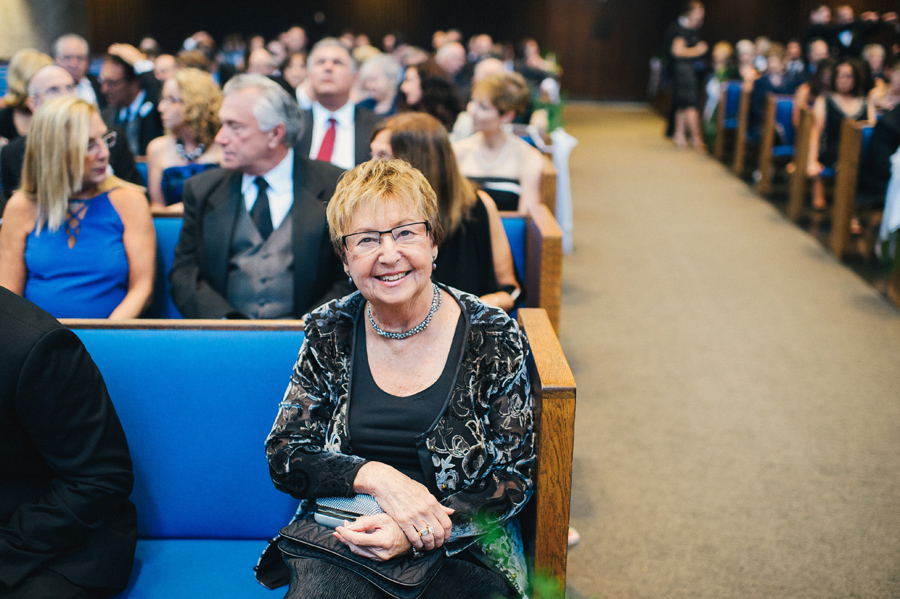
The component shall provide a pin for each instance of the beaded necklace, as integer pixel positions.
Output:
(189, 156)
(435, 305)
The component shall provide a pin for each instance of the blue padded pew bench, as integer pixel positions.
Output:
(197, 400)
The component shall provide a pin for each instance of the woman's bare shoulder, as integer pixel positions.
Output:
(129, 199)
(160, 148)
(19, 210)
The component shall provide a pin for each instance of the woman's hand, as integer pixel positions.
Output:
(412, 507)
(813, 169)
(377, 537)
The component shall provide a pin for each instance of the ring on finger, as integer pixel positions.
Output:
(426, 531)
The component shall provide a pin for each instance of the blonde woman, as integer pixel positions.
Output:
(189, 108)
(76, 241)
(506, 166)
(15, 117)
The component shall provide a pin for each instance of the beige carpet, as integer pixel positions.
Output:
(738, 420)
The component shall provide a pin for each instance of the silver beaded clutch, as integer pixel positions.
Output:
(334, 511)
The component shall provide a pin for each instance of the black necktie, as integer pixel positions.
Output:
(260, 214)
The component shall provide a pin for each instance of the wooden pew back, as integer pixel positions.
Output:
(778, 126)
(799, 183)
(741, 138)
(854, 143)
(729, 100)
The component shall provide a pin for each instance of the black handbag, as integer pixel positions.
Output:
(404, 577)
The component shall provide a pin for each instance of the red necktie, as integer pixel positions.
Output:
(327, 146)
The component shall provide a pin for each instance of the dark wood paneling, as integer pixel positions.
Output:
(604, 45)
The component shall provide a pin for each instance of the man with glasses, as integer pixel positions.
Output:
(254, 242)
(130, 104)
(50, 82)
(72, 53)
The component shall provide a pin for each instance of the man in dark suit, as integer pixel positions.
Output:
(67, 528)
(131, 104)
(254, 243)
(50, 82)
(335, 130)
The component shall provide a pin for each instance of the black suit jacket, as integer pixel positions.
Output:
(12, 156)
(149, 125)
(65, 470)
(212, 205)
(364, 121)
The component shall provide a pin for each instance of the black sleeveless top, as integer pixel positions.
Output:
(384, 427)
(465, 260)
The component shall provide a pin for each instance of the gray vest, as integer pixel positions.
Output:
(261, 274)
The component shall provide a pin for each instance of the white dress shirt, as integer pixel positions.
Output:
(85, 91)
(344, 153)
(280, 191)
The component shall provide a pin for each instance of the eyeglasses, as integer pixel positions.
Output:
(109, 140)
(369, 241)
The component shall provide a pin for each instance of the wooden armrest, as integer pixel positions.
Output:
(548, 185)
(801, 158)
(845, 185)
(543, 279)
(554, 394)
(740, 148)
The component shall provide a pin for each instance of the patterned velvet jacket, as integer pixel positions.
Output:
(478, 457)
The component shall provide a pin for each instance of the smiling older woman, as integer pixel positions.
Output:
(435, 422)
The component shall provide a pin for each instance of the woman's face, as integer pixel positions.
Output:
(96, 158)
(393, 274)
(412, 86)
(171, 108)
(381, 145)
(844, 81)
(485, 116)
(295, 71)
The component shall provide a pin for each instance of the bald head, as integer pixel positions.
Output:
(487, 67)
(49, 82)
(451, 57)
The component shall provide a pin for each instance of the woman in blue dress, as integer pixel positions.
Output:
(189, 108)
(75, 240)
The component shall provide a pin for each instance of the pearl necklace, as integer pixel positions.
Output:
(435, 305)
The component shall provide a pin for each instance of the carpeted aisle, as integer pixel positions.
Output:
(738, 420)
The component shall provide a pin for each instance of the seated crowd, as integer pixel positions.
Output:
(319, 184)
(841, 67)
(170, 121)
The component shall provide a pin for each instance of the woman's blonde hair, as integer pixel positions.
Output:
(202, 99)
(55, 150)
(22, 67)
(506, 91)
(380, 183)
(421, 140)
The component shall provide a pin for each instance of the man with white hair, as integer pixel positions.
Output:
(71, 52)
(336, 130)
(50, 82)
(254, 243)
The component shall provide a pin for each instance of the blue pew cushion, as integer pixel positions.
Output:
(188, 568)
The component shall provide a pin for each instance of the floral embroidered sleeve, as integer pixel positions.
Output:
(304, 447)
(498, 477)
